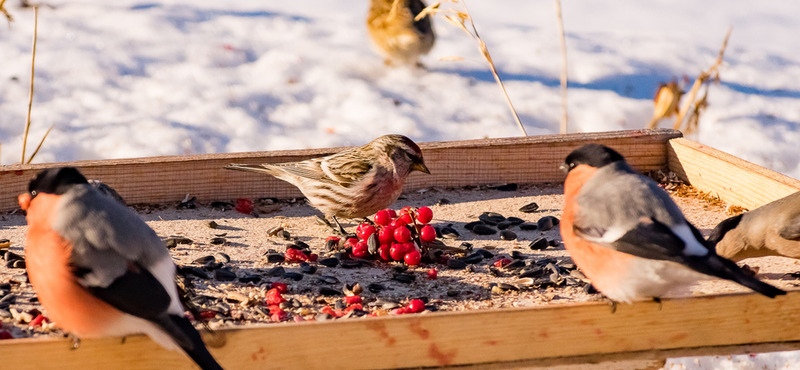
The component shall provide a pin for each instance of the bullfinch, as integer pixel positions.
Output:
(770, 230)
(628, 236)
(98, 269)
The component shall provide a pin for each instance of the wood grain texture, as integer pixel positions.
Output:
(555, 334)
(533, 159)
(733, 179)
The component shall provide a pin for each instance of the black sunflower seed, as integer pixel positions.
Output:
(529, 208)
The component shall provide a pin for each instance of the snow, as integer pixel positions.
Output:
(133, 78)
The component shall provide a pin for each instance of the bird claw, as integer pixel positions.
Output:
(337, 229)
(613, 305)
(658, 300)
(76, 342)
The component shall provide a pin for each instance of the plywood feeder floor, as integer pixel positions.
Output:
(246, 242)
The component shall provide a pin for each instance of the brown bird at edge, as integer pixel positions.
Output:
(354, 183)
(770, 230)
(666, 102)
(393, 30)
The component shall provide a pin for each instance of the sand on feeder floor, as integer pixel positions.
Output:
(246, 241)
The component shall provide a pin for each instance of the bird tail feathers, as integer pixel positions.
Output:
(186, 336)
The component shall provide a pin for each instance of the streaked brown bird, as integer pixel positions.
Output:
(393, 30)
(770, 230)
(353, 183)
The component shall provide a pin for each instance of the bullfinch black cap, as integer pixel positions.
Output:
(594, 155)
(56, 180)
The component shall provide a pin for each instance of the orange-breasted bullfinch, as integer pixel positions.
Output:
(770, 230)
(98, 269)
(628, 236)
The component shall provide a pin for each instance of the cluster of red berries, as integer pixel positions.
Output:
(244, 205)
(5, 334)
(395, 235)
(413, 306)
(274, 299)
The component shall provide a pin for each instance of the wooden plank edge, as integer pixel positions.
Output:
(560, 334)
(523, 160)
(733, 179)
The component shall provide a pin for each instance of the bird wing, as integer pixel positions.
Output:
(308, 169)
(115, 255)
(346, 168)
(792, 229)
(627, 212)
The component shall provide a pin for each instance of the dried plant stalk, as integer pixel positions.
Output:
(703, 78)
(40, 145)
(459, 19)
(5, 12)
(560, 19)
(33, 69)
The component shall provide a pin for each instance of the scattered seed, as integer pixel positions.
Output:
(306, 268)
(517, 255)
(222, 257)
(375, 287)
(471, 225)
(505, 286)
(539, 244)
(274, 231)
(224, 274)
(250, 278)
(327, 279)
(223, 206)
(483, 230)
(504, 225)
(292, 276)
(329, 262)
(505, 187)
(373, 243)
(329, 292)
(332, 244)
(275, 258)
(491, 218)
(528, 226)
(212, 224)
(217, 241)
(529, 208)
(456, 264)
(204, 260)
(276, 271)
(515, 264)
(404, 278)
(5, 243)
(285, 235)
(450, 233)
(508, 235)
(350, 264)
(473, 258)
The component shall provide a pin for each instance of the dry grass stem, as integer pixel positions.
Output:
(5, 12)
(560, 19)
(713, 73)
(40, 145)
(459, 19)
(33, 69)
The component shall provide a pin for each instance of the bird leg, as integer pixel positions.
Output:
(658, 300)
(76, 342)
(338, 229)
(613, 305)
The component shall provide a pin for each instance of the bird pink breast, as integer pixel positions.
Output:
(68, 304)
(606, 268)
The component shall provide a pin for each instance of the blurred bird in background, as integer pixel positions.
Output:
(398, 36)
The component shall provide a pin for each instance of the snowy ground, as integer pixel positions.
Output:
(141, 78)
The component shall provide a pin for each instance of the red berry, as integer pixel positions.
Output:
(398, 223)
(357, 306)
(397, 251)
(416, 305)
(365, 230)
(399, 311)
(392, 213)
(332, 238)
(502, 262)
(274, 297)
(5, 335)
(413, 258)
(352, 299)
(432, 274)
(385, 252)
(277, 314)
(244, 205)
(38, 320)
(427, 233)
(382, 217)
(424, 215)
(406, 219)
(208, 314)
(350, 242)
(406, 210)
(313, 257)
(402, 234)
(282, 287)
(360, 250)
(386, 235)
(409, 246)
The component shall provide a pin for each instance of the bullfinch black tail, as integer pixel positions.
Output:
(187, 337)
(715, 265)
